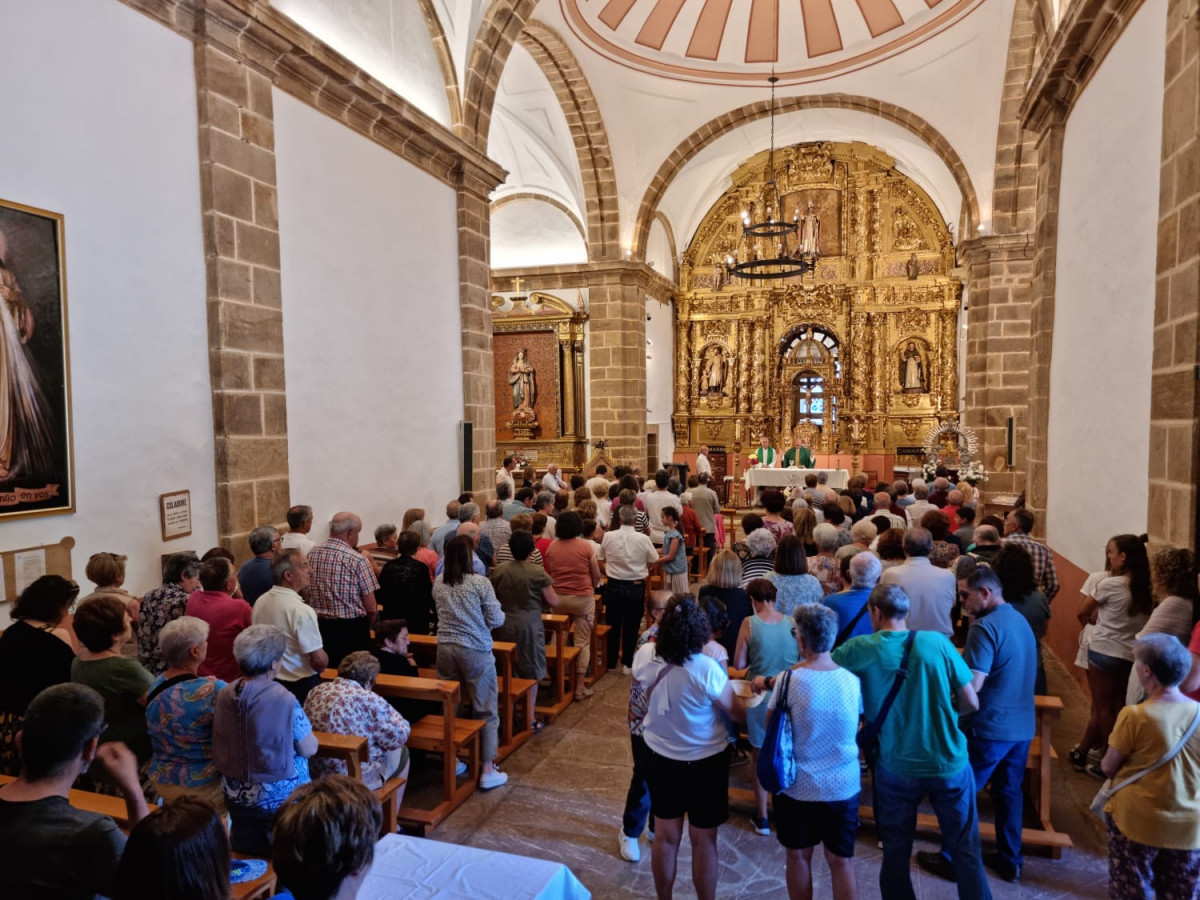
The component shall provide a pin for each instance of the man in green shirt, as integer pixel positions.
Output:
(921, 749)
(800, 456)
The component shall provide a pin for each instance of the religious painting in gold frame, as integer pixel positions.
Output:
(36, 453)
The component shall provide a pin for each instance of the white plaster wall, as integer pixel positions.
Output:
(370, 323)
(660, 373)
(658, 250)
(533, 233)
(387, 38)
(1104, 298)
(100, 125)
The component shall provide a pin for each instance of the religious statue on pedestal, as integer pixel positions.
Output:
(714, 371)
(521, 376)
(912, 370)
(810, 232)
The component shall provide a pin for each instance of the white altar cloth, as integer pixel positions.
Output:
(418, 868)
(762, 477)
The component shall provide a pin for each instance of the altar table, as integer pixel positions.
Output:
(417, 868)
(762, 477)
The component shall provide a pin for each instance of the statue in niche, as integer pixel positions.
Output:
(522, 377)
(912, 370)
(810, 232)
(912, 268)
(715, 370)
(906, 235)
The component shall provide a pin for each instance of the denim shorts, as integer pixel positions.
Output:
(1109, 664)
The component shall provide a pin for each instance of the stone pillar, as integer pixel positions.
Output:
(245, 317)
(1000, 275)
(617, 311)
(1041, 319)
(1174, 403)
(474, 297)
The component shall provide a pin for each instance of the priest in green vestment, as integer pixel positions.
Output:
(799, 456)
(765, 454)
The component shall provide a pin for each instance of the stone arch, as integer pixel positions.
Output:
(578, 104)
(671, 243)
(543, 198)
(441, 48)
(752, 112)
(1014, 192)
(498, 31)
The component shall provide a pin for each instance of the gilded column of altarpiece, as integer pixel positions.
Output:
(858, 357)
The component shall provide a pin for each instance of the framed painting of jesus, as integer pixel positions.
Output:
(36, 454)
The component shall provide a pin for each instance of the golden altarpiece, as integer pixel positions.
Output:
(859, 357)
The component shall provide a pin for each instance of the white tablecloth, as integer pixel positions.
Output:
(762, 477)
(417, 868)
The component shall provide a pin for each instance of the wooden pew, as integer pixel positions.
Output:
(349, 748)
(1038, 768)
(445, 734)
(600, 637)
(514, 693)
(560, 660)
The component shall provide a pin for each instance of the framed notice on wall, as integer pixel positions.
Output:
(176, 511)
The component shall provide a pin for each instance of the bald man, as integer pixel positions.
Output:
(342, 589)
(471, 530)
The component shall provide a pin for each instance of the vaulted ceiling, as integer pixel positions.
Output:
(920, 79)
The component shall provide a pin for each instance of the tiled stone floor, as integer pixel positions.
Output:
(567, 787)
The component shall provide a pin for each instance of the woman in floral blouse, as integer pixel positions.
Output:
(348, 705)
(179, 716)
(181, 576)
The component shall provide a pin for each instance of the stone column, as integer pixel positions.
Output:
(474, 297)
(999, 283)
(617, 310)
(1174, 403)
(1041, 319)
(245, 317)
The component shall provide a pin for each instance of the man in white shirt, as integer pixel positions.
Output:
(551, 481)
(883, 503)
(703, 466)
(627, 555)
(304, 657)
(504, 474)
(931, 591)
(655, 500)
(300, 522)
(707, 506)
(600, 478)
(921, 505)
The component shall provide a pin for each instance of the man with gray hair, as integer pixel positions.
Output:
(987, 543)
(941, 491)
(921, 505)
(850, 605)
(883, 507)
(342, 589)
(931, 590)
(544, 503)
(255, 574)
(921, 750)
(444, 532)
(495, 528)
(227, 616)
(485, 550)
(305, 658)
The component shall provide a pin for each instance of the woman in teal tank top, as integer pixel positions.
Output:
(767, 645)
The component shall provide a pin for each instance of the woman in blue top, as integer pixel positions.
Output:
(766, 645)
(793, 584)
(674, 556)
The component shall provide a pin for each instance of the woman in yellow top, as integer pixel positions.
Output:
(1154, 823)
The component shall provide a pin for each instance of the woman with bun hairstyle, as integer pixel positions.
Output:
(1123, 603)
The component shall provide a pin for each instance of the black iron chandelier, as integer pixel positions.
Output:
(770, 249)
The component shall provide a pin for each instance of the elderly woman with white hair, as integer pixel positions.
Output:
(348, 705)
(760, 555)
(179, 716)
(1154, 823)
(821, 805)
(261, 740)
(854, 619)
(824, 566)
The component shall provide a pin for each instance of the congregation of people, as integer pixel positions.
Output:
(899, 629)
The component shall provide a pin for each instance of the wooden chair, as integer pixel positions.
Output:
(601, 632)
(560, 660)
(446, 734)
(699, 553)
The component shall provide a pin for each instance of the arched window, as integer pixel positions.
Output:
(810, 345)
(813, 404)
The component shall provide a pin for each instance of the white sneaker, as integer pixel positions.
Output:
(629, 847)
(492, 779)
(626, 671)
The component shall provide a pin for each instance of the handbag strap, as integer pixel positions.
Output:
(845, 632)
(169, 683)
(1166, 757)
(902, 673)
(650, 690)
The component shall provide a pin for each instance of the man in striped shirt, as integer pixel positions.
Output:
(1017, 526)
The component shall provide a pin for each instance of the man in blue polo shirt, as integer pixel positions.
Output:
(851, 605)
(921, 749)
(1001, 653)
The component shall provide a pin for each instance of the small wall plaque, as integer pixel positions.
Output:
(176, 511)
